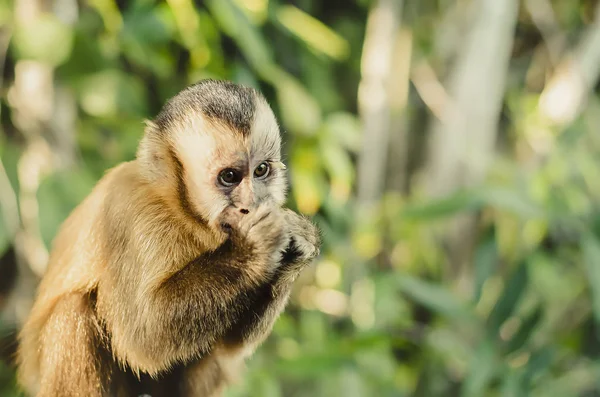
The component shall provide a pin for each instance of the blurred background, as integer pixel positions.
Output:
(448, 149)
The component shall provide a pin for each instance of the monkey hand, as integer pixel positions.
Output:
(264, 229)
(304, 243)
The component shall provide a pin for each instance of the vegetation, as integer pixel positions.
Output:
(447, 148)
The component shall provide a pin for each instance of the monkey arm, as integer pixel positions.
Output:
(198, 304)
(270, 298)
(259, 309)
(190, 312)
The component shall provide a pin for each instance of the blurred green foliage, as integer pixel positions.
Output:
(381, 313)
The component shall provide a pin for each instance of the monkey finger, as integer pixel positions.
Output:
(305, 248)
(229, 219)
(254, 217)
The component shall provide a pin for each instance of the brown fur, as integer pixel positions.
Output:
(145, 291)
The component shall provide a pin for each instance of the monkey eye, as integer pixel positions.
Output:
(262, 170)
(229, 177)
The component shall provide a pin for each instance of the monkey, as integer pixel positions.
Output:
(173, 270)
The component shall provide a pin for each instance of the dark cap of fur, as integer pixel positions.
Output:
(219, 100)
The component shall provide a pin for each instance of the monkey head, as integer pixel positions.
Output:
(217, 145)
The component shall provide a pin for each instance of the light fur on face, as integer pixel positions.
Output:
(205, 147)
(265, 144)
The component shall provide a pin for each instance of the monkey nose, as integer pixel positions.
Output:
(244, 211)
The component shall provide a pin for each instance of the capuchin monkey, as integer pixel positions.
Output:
(175, 267)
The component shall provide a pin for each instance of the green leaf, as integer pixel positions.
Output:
(345, 128)
(249, 39)
(507, 303)
(86, 58)
(58, 195)
(510, 200)
(4, 239)
(448, 206)
(578, 379)
(145, 23)
(482, 369)
(145, 40)
(486, 261)
(300, 113)
(538, 363)
(9, 157)
(339, 166)
(312, 365)
(590, 247)
(474, 199)
(434, 297)
(8, 385)
(512, 386)
(528, 326)
(266, 385)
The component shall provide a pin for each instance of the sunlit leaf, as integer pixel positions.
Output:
(110, 14)
(308, 191)
(250, 41)
(44, 39)
(339, 166)
(187, 20)
(345, 128)
(313, 32)
(111, 92)
(368, 232)
(6, 12)
(255, 10)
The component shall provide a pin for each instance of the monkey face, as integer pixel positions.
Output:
(225, 169)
